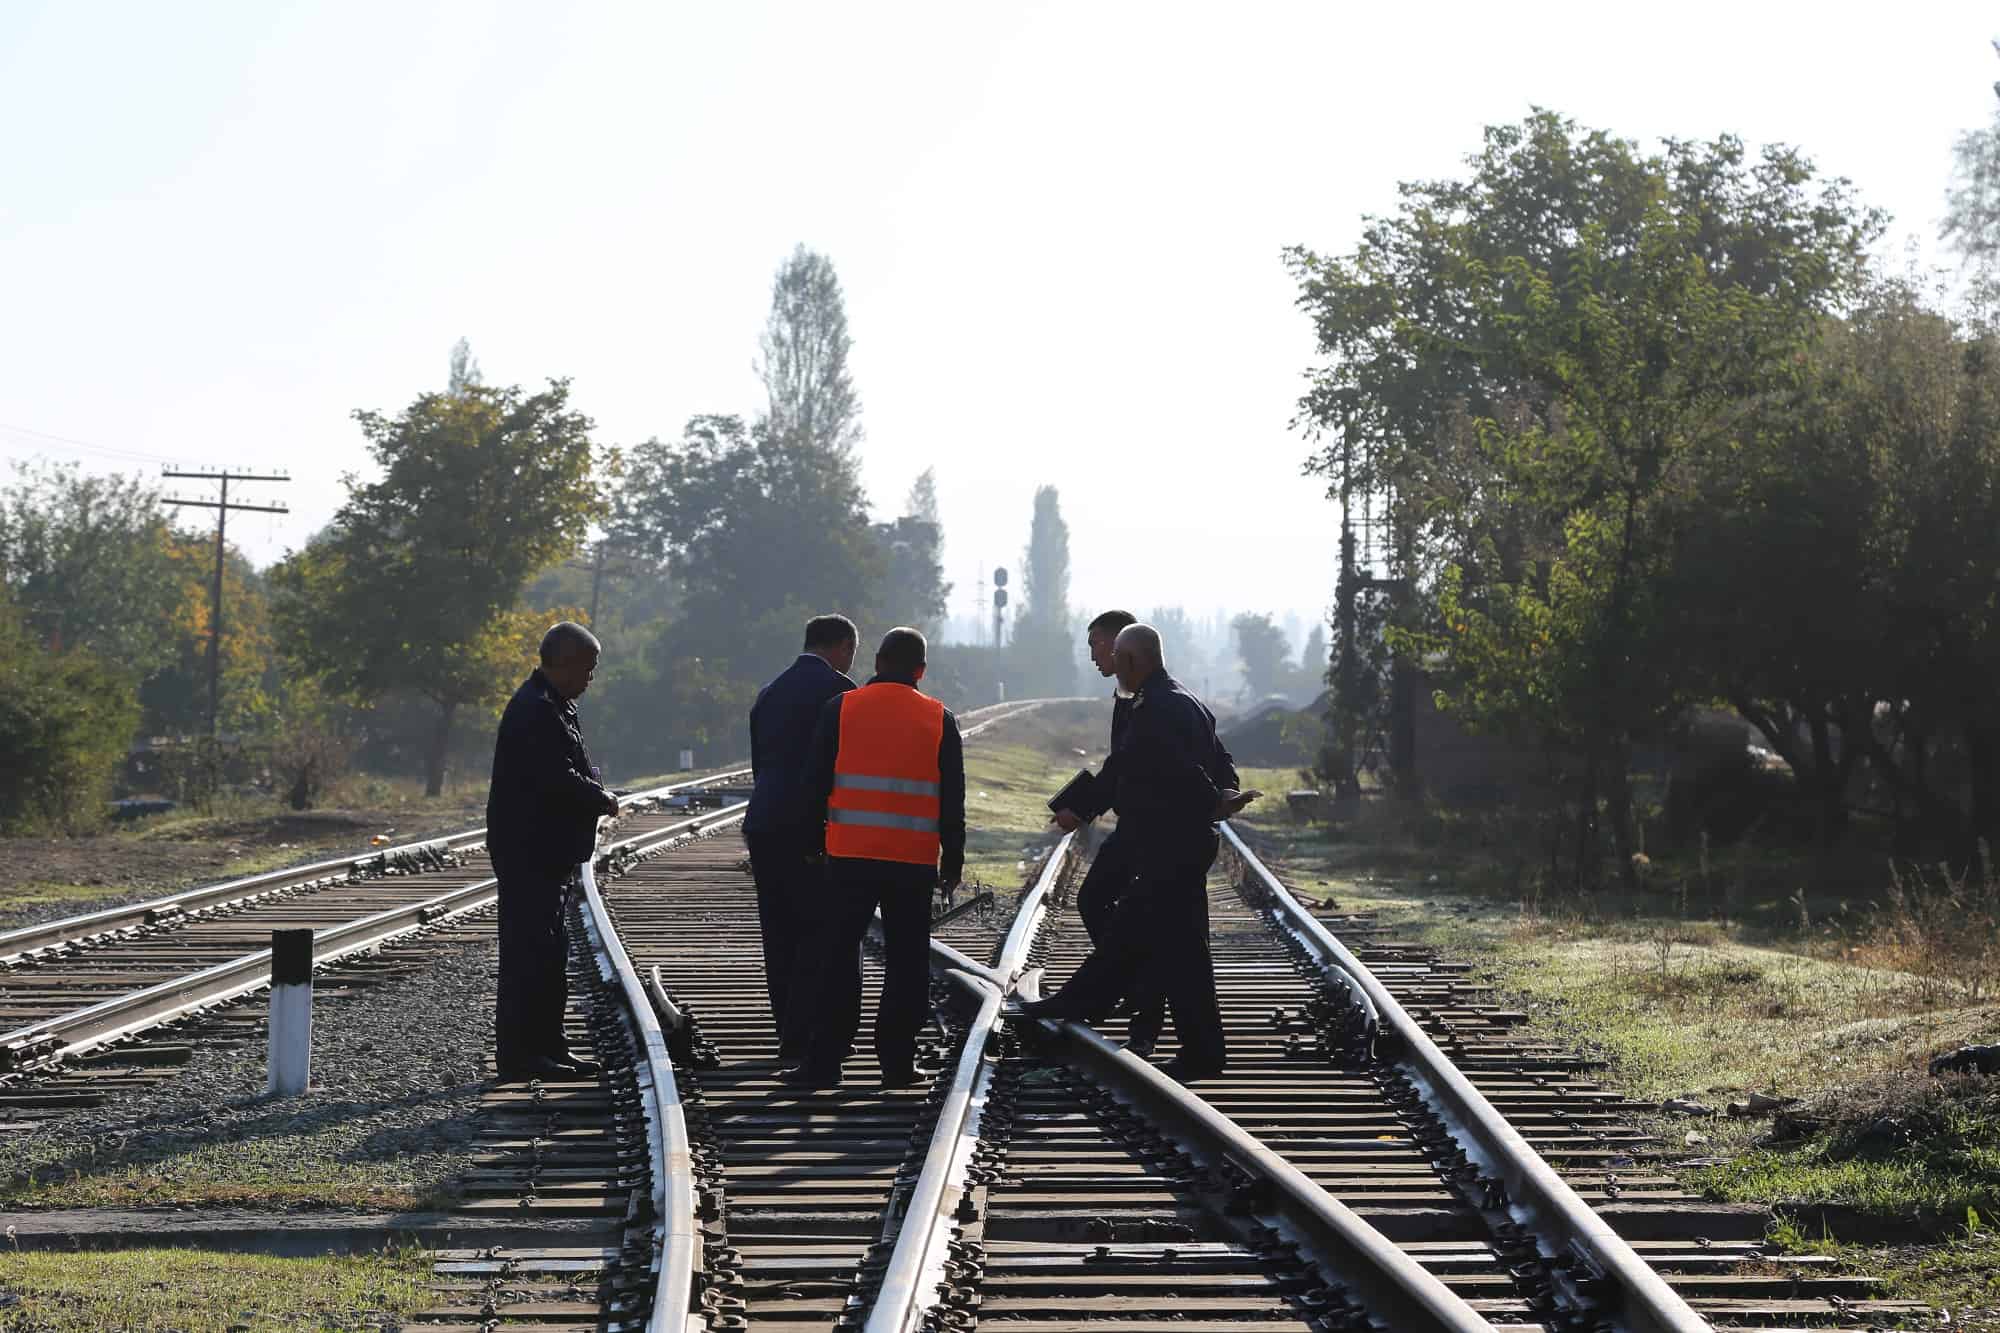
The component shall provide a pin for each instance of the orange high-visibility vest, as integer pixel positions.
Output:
(885, 800)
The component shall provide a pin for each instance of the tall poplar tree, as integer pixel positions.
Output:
(1045, 653)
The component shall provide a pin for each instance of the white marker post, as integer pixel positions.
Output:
(291, 1012)
(687, 761)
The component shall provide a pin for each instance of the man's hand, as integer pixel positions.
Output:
(947, 887)
(1067, 821)
(611, 804)
(1230, 801)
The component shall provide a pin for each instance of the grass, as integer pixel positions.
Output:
(218, 1176)
(1010, 773)
(1886, 1149)
(180, 1289)
(43, 893)
(1727, 975)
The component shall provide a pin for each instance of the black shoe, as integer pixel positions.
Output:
(901, 1078)
(807, 1077)
(520, 1071)
(1182, 1072)
(1043, 1008)
(577, 1068)
(1142, 1049)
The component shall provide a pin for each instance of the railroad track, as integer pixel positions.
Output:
(1385, 1151)
(73, 986)
(567, 1193)
(1344, 1173)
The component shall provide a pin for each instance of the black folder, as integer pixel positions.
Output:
(1076, 787)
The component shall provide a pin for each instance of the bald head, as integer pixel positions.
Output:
(1136, 654)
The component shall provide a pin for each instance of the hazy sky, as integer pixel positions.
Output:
(224, 226)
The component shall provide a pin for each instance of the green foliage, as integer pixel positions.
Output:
(1536, 362)
(1046, 647)
(66, 720)
(1972, 206)
(913, 586)
(90, 561)
(415, 585)
(1265, 653)
(813, 403)
(764, 535)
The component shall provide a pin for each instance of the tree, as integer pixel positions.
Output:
(914, 591)
(812, 401)
(1265, 654)
(1313, 662)
(464, 370)
(1972, 205)
(91, 562)
(763, 536)
(175, 697)
(66, 721)
(1534, 362)
(416, 583)
(922, 502)
(1045, 648)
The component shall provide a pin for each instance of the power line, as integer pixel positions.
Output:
(85, 446)
(222, 508)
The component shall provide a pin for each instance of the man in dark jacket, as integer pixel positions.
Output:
(886, 775)
(784, 841)
(541, 822)
(1163, 782)
(1109, 871)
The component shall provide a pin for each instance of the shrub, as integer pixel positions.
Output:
(66, 721)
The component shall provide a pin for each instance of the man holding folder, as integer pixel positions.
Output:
(1169, 779)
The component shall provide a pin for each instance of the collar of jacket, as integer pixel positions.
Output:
(1159, 677)
(879, 679)
(555, 695)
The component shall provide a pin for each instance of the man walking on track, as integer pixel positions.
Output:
(541, 822)
(1168, 802)
(886, 773)
(784, 838)
(1110, 867)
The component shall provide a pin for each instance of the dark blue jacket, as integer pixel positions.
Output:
(542, 809)
(1167, 766)
(781, 731)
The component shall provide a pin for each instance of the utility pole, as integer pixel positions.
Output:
(221, 507)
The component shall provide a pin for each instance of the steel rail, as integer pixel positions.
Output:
(120, 1016)
(921, 1251)
(1398, 1291)
(1540, 1199)
(18, 943)
(909, 1281)
(677, 1248)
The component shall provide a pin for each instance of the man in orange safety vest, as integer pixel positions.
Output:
(886, 775)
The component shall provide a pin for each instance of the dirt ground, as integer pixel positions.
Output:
(41, 878)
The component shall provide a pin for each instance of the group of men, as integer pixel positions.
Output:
(858, 807)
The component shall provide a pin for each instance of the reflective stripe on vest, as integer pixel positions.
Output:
(886, 783)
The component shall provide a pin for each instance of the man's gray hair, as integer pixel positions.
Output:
(567, 637)
(1142, 641)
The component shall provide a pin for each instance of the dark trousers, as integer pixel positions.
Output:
(534, 961)
(789, 887)
(852, 892)
(1157, 935)
(1110, 874)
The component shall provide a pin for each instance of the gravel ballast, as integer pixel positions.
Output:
(390, 1116)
